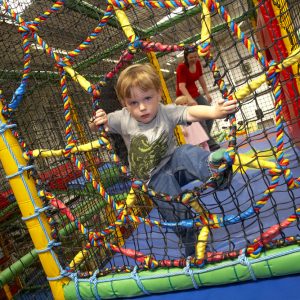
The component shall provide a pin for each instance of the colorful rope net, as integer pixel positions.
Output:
(95, 222)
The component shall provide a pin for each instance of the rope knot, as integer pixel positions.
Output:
(68, 61)
(273, 70)
(96, 92)
(60, 65)
(150, 262)
(32, 27)
(3, 128)
(187, 269)
(245, 262)
(204, 49)
(28, 155)
(27, 27)
(67, 151)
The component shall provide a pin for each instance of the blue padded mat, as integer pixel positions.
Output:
(246, 189)
(277, 288)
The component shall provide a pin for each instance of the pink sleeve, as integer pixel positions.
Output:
(184, 131)
(195, 134)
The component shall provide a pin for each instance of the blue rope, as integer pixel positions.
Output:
(136, 277)
(245, 262)
(75, 278)
(51, 244)
(18, 96)
(21, 169)
(4, 127)
(93, 280)
(37, 211)
(63, 274)
(189, 272)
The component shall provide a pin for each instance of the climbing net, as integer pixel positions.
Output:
(102, 220)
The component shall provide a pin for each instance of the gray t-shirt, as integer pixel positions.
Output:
(151, 145)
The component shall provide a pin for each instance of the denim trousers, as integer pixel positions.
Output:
(188, 163)
(206, 124)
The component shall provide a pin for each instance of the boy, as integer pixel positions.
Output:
(147, 127)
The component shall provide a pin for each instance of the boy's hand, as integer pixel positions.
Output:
(206, 112)
(99, 118)
(225, 108)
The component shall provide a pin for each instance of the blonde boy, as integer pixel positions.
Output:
(147, 127)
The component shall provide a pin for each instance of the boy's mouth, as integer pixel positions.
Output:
(145, 116)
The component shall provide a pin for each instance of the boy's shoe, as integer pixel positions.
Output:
(221, 177)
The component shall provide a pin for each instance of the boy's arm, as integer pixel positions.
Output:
(100, 118)
(204, 112)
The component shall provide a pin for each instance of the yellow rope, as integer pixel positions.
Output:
(256, 83)
(202, 242)
(60, 152)
(85, 84)
(205, 28)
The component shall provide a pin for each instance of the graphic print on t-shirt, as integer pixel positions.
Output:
(145, 156)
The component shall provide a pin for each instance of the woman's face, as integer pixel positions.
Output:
(192, 58)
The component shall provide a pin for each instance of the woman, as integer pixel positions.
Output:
(188, 73)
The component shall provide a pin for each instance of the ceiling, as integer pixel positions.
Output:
(67, 28)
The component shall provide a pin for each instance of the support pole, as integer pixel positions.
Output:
(30, 205)
(165, 93)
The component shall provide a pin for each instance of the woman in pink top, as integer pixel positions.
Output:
(194, 133)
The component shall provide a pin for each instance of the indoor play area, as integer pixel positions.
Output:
(74, 222)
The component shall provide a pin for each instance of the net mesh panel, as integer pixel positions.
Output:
(40, 122)
(15, 243)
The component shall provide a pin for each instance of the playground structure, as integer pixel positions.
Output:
(95, 229)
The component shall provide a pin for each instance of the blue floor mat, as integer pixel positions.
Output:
(244, 192)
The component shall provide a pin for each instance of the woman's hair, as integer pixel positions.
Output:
(142, 76)
(187, 51)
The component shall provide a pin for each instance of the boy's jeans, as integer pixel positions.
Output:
(188, 163)
(206, 124)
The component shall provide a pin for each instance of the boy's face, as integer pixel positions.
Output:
(143, 105)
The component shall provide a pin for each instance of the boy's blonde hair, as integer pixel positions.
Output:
(142, 76)
(182, 100)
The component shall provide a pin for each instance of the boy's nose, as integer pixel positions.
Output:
(142, 106)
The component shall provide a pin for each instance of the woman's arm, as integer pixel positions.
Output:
(204, 88)
(184, 91)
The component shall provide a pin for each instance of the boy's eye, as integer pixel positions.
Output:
(148, 98)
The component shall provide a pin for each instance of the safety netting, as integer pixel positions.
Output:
(97, 230)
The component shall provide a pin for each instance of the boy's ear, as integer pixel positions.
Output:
(122, 102)
(160, 92)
